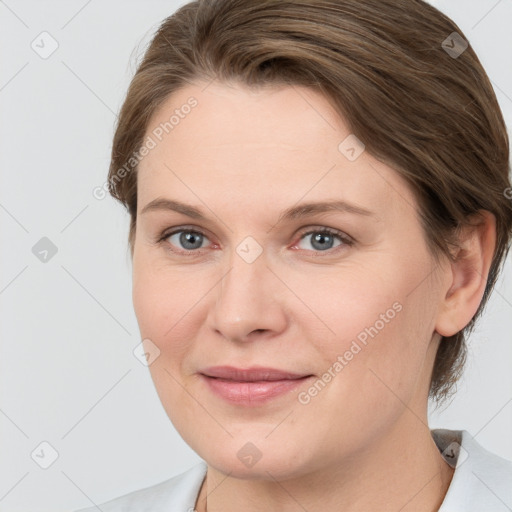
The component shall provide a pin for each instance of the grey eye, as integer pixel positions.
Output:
(321, 241)
(187, 239)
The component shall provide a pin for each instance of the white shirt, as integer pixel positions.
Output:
(481, 482)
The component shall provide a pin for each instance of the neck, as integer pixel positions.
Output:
(402, 470)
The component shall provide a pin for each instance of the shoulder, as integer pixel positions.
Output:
(178, 494)
(481, 480)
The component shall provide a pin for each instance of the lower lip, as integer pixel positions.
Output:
(251, 393)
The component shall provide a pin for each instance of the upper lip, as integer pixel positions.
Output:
(253, 374)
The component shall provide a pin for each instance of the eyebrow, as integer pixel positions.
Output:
(293, 213)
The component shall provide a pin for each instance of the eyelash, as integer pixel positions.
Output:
(347, 241)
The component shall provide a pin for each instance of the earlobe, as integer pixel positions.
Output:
(467, 277)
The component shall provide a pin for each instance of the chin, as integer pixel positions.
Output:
(258, 461)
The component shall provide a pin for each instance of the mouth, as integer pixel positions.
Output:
(256, 373)
(252, 386)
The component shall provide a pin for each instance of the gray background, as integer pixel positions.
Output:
(68, 375)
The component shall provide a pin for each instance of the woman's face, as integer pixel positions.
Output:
(353, 312)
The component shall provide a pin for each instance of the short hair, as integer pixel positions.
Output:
(400, 72)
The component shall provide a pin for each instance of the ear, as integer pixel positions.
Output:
(467, 275)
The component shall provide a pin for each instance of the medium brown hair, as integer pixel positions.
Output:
(385, 67)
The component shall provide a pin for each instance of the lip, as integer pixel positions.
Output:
(255, 373)
(251, 386)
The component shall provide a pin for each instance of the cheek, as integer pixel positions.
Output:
(369, 373)
(381, 335)
(163, 303)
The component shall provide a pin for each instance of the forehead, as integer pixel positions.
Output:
(276, 143)
(239, 117)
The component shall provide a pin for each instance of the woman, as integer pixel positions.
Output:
(320, 207)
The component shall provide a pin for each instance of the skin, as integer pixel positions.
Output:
(362, 443)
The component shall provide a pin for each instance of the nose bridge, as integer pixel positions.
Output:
(245, 300)
(240, 288)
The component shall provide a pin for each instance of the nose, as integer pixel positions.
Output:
(249, 301)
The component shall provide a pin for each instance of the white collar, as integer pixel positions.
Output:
(482, 481)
